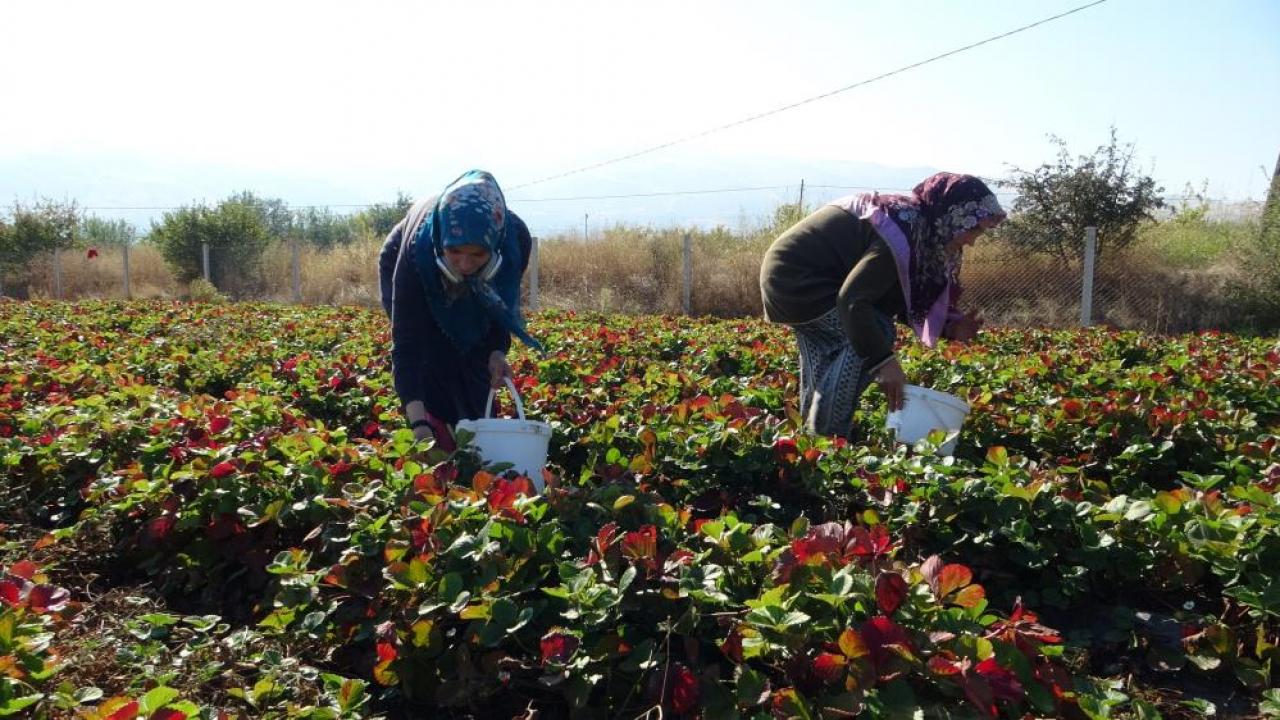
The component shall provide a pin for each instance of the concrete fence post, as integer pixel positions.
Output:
(297, 270)
(1086, 280)
(127, 290)
(687, 285)
(57, 274)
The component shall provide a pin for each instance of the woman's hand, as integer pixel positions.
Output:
(415, 412)
(499, 369)
(892, 381)
(965, 328)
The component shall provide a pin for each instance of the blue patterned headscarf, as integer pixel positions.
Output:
(472, 211)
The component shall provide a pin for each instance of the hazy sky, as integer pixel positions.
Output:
(127, 103)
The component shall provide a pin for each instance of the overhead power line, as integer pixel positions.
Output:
(653, 194)
(806, 101)
(184, 207)
(620, 196)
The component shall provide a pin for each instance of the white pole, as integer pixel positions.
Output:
(127, 292)
(687, 299)
(297, 273)
(533, 275)
(1086, 290)
(57, 274)
(204, 251)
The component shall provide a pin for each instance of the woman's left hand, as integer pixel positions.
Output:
(499, 369)
(963, 329)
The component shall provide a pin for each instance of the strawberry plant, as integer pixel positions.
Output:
(1106, 529)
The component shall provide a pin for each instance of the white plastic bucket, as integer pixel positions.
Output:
(925, 410)
(518, 441)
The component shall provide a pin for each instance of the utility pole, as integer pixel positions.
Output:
(584, 226)
(800, 202)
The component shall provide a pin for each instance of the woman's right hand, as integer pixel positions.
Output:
(892, 382)
(423, 433)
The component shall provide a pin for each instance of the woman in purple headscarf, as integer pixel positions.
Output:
(841, 276)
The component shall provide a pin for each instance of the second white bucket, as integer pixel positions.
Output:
(518, 441)
(925, 410)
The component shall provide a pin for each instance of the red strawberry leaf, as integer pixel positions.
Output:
(829, 666)
(558, 647)
(684, 689)
(222, 469)
(952, 577)
(48, 598)
(24, 569)
(891, 590)
(970, 596)
(12, 590)
(1004, 683)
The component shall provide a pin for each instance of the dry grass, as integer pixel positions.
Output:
(103, 276)
(1151, 286)
(640, 270)
(345, 275)
(1134, 289)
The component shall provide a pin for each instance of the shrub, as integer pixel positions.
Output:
(234, 232)
(1058, 200)
(203, 291)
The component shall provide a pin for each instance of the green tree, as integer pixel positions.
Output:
(276, 216)
(377, 220)
(1259, 297)
(1059, 199)
(117, 233)
(234, 230)
(4, 242)
(43, 226)
(323, 228)
(1270, 225)
(33, 229)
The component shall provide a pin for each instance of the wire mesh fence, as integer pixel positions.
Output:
(659, 271)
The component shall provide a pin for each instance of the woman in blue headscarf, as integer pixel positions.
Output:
(450, 279)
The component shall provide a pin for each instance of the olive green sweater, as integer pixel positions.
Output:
(832, 259)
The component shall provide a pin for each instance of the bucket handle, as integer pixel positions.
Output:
(515, 395)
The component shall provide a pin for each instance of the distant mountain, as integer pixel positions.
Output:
(751, 189)
(120, 181)
(649, 185)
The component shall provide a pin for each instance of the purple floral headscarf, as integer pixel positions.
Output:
(917, 228)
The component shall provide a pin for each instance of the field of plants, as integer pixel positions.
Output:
(214, 511)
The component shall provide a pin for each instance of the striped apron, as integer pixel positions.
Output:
(831, 374)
